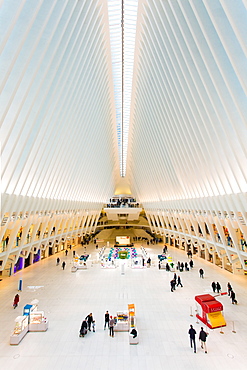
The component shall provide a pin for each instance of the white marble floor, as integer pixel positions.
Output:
(163, 318)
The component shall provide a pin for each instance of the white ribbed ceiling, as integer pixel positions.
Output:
(57, 104)
(188, 106)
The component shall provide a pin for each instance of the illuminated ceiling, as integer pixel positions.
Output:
(183, 134)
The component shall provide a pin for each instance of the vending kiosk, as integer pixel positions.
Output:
(210, 311)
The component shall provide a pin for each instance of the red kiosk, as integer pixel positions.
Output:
(210, 312)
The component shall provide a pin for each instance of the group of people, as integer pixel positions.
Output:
(89, 323)
(176, 281)
(110, 322)
(202, 337)
(86, 325)
(185, 266)
(63, 263)
(216, 287)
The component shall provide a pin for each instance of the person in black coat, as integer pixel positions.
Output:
(89, 320)
(218, 287)
(179, 282)
(107, 318)
(191, 264)
(173, 285)
(229, 288)
(201, 273)
(175, 277)
(181, 266)
(83, 330)
(233, 297)
(192, 334)
(202, 337)
(213, 286)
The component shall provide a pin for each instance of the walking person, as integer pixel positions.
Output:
(202, 337)
(16, 300)
(233, 297)
(218, 287)
(201, 273)
(58, 261)
(186, 266)
(191, 263)
(192, 334)
(175, 277)
(66, 252)
(107, 318)
(173, 285)
(111, 326)
(181, 267)
(179, 282)
(229, 288)
(63, 265)
(213, 285)
(89, 320)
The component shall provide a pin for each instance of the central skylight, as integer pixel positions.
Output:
(122, 21)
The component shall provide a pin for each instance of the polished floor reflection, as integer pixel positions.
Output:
(163, 318)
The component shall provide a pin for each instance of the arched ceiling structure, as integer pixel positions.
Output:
(58, 124)
(189, 104)
(187, 136)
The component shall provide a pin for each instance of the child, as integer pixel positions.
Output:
(93, 325)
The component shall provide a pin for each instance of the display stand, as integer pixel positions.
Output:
(21, 329)
(133, 332)
(137, 262)
(106, 264)
(122, 323)
(37, 321)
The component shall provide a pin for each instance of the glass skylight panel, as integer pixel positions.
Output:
(122, 64)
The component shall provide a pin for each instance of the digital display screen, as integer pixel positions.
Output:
(123, 240)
